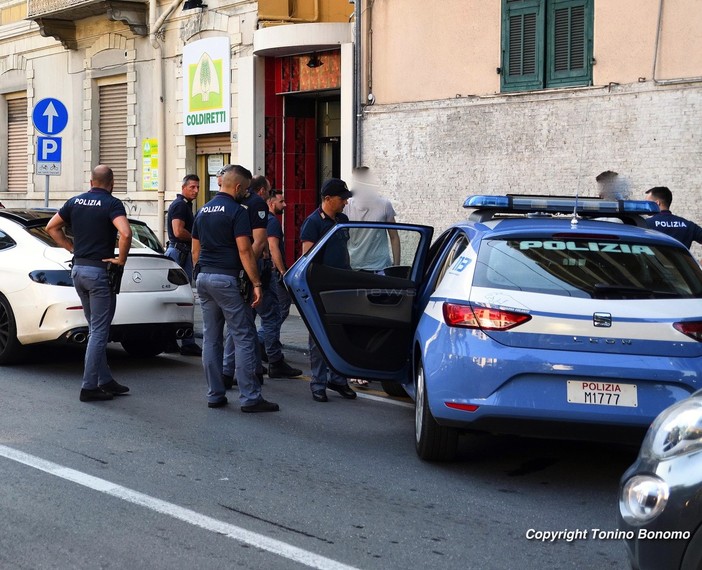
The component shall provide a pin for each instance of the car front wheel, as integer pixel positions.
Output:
(144, 348)
(10, 347)
(433, 441)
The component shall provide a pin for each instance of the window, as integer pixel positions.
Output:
(113, 131)
(588, 268)
(6, 241)
(17, 150)
(546, 43)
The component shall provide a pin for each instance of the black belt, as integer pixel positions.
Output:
(180, 245)
(90, 262)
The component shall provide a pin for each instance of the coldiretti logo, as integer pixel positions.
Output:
(205, 84)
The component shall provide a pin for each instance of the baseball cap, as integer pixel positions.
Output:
(336, 187)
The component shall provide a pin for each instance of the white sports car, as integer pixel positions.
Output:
(38, 303)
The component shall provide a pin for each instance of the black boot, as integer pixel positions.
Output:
(281, 369)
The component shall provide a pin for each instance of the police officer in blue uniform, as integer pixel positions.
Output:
(227, 281)
(276, 301)
(95, 218)
(180, 227)
(335, 195)
(256, 209)
(270, 348)
(681, 229)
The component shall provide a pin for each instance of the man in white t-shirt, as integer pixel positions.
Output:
(371, 249)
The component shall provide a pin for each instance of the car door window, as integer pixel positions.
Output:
(6, 241)
(454, 253)
(446, 249)
(362, 283)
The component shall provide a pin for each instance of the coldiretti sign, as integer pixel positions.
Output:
(207, 86)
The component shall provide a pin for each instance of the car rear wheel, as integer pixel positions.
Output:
(393, 389)
(10, 348)
(144, 348)
(433, 441)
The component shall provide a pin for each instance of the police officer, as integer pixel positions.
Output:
(276, 301)
(180, 226)
(270, 310)
(256, 209)
(681, 229)
(335, 195)
(227, 281)
(95, 217)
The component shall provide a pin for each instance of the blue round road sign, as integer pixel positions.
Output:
(50, 116)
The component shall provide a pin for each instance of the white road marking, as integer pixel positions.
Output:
(254, 539)
(385, 400)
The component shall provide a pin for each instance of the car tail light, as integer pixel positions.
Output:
(177, 277)
(467, 316)
(693, 329)
(462, 407)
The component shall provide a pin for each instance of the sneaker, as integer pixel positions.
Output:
(115, 388)
(191, 350)
(281, 369)
(218, 403)
(261, 406)
(320, 396)
(343, 389)
(94, 395)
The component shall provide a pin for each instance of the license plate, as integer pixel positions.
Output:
(602, 393)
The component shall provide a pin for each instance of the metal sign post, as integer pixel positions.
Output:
(50, 117)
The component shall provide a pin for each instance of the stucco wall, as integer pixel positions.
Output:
(427, 157)
(421, 53)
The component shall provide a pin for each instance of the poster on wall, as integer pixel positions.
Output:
(206, 86)
(149, 164)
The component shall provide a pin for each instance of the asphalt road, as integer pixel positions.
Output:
(157, 480)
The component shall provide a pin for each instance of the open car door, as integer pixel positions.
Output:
(356, 290)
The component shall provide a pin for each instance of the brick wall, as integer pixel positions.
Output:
(427, 157)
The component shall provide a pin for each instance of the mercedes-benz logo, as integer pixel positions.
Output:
(136, 277)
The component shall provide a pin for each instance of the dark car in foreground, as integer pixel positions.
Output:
(660, 497)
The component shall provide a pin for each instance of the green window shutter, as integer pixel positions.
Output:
(569, 41)
(522, 44)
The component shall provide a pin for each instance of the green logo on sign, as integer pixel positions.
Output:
(205, 84)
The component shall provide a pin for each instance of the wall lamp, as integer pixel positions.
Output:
(314, 61)
(192, 4)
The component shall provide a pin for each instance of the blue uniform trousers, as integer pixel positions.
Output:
(99, 304)
(269, 333)
(321, 373)
(221, 303)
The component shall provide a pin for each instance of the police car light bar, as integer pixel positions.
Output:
(560, 205)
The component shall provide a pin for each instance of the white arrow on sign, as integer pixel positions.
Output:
(50, 113)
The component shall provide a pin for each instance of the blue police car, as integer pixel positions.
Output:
(538, 315)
